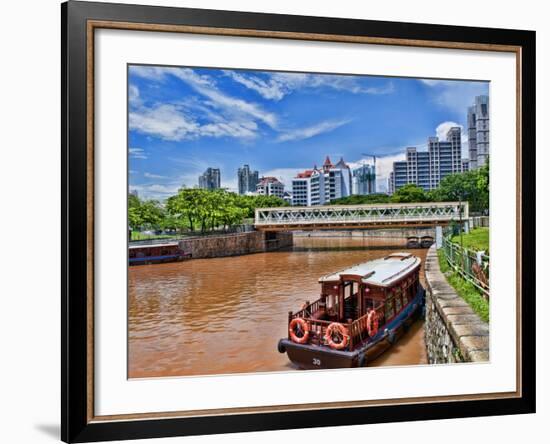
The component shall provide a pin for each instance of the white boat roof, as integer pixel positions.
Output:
(382, 272)
(166, 244)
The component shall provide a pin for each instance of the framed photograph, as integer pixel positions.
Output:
(275, 221)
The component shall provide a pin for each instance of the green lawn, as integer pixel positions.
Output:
(477, 239)
(467, 291)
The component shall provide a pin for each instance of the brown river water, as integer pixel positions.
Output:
(226, 315)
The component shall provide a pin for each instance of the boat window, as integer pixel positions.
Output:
(398, 301)
(389, 310)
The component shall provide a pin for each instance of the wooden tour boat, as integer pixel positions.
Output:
(156, 254)
(362, 311)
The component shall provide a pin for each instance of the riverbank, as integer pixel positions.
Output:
(453, 331)
(464, 289)
(477, 239)
(235, 244)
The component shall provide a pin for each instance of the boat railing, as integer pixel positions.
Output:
(318, 329)
(308, 310)
(358, 330)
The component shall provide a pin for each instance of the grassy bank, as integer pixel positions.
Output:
(477, 239)
(467, 291)
(136, 236)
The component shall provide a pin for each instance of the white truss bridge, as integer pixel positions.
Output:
(425, 214)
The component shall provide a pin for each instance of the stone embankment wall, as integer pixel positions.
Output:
(235, 244)
(453, 332)
(401, 233)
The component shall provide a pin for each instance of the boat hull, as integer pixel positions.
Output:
(312, 357)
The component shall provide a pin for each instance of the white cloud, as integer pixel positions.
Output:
(137, 153)
(311, 131)
(153, 176)
(271, 89)
(164, 121)
(456, 95)
(206, 86)
(442, 130)
(275, 86)
(133, 95)
(171, 122)
(155, 191)
(384, 165)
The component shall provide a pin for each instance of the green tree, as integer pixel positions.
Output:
(144, 213)
(184, 207)
(250, 203)
(359, 199)
(472, 186)
(409, 193)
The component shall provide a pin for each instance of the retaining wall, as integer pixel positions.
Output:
(453, 332)
(401, 233)
(235, 244)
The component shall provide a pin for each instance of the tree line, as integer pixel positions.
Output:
(195, 209)
(471, 186)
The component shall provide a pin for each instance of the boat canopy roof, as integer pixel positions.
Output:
(383, 272)
(164, 245)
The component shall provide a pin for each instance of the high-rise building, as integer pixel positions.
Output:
(399, 175)
(210, 179)
(270, 186)
(478, 132)
(320, 186)
(426, 169)
(364, 179)
(247, 180)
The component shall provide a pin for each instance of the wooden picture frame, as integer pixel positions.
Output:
(79, 22)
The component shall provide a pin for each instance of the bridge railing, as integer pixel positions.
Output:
(428, 212)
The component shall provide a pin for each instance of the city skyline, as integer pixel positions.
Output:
(183, 121)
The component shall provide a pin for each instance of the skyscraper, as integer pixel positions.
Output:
(426, 169)
(247, 180)
(478, 132)
(364, 179)
(210, 179)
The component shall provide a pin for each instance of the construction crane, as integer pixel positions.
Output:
(370, 155)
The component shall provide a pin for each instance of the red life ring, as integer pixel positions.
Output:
(303, 327)
(337, 328)
(372, 323)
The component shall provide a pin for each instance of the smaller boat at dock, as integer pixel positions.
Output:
(156, 254)
(363, 310)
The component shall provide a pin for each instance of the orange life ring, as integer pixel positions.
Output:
(342, 331)
(372, 323)
(303, 327)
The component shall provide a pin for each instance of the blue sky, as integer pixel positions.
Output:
(184, 120)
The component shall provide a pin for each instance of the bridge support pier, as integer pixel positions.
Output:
(438, 237)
